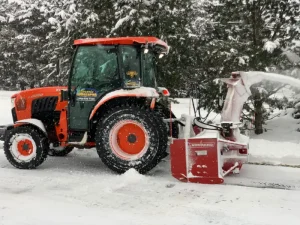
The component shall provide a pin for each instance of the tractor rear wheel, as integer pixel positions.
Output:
(60, 151)
(130, 137)
(26, 147)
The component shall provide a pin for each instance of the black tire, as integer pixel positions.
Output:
(65, 151)
(37, 137)
(150, 122)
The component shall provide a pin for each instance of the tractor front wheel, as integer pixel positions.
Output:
(25, 147)
(130, 137)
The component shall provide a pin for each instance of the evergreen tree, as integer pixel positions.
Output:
(42, 33)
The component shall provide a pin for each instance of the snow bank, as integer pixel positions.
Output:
(127, 180)
(5, 109)
(280, 144)
(282, 128)
(274, 152)
(132, 176)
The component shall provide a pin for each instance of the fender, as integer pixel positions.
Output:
(37, 123)
(137, 92)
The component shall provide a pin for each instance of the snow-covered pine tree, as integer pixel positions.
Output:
(17, 46)
(42, 33)
(24, 47)
(69, 20)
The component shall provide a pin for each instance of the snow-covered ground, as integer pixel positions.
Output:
(79, 189)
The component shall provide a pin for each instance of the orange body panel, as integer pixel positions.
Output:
(32, 94)
(28, 96)
(62, 127)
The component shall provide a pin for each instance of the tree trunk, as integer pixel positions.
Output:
(258, 104)
(32, 84)
(22, 86)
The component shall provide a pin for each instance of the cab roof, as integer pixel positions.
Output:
(121, 41)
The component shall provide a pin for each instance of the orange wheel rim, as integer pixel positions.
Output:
(25, 147)
(129, 139)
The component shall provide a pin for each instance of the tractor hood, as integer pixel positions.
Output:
(40, 92)
(25, 103)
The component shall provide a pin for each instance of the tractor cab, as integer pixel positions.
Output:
(106, 64)
(103, 65)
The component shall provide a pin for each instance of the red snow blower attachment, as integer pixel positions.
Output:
(207, 157)
(220, 149)
(217, 150)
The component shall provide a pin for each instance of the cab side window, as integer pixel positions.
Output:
(95, 67)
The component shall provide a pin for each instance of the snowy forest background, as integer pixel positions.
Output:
(208, 39)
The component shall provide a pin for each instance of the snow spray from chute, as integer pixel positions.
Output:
(239, 91)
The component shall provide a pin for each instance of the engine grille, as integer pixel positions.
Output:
(46, 104)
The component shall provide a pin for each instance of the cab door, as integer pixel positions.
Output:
(94, 72)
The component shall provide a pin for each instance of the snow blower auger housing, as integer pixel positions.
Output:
(214, 151)
(208, 154)
(111, 102)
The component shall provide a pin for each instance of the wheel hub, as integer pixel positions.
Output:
(25, 147)
(131, 138)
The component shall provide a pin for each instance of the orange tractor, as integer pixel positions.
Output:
(111, 102)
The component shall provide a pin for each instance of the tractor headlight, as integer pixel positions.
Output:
(13, 102)
(21, 104)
